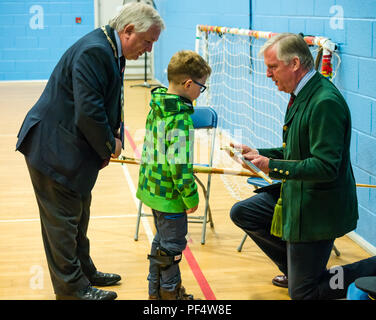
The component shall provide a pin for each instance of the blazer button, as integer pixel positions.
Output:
(287, 173)
(285, 128)
(275, 169)
(284, 145)
(280, 171)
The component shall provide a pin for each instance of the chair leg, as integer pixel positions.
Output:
(240, 247)
(207, 195)
(336, 250)
(242, 242)
(207, 205)
(210, 216)
(138, 221)
(203, 232)
(207, 211)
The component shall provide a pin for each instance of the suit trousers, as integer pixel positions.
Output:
(64, 216)
(304, 263)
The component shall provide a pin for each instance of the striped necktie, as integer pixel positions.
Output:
(291, 101)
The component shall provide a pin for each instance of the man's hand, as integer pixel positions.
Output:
(260, 162)
(191, 210)
(244, 149)
(117, 148)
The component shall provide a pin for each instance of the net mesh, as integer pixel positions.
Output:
(249, 106)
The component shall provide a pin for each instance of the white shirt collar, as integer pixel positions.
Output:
(118, 44)
(304, 81)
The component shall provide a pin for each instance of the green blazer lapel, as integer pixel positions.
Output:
(305, 94)
(290, 112)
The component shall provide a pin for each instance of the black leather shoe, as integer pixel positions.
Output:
(104, 279)
(89, 293)
(281, 281)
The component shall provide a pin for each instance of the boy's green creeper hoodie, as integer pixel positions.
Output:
(166, 182)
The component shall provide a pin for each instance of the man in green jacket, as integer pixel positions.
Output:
(317, 199)
(166, 181)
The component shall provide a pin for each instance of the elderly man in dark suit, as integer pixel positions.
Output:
(71, 133)
(317, 199)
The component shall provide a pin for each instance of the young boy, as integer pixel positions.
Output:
(166, 182)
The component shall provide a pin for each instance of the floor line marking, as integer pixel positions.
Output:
(91, 217)
(132, 188)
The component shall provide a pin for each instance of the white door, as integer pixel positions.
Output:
(104, 11)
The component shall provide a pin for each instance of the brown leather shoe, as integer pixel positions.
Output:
(178, 294)
(281, 281)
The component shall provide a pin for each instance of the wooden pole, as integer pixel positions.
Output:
(127, 160)
(365, 185)
(197, 169)
(207, 170)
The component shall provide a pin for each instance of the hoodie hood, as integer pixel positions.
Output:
(165, 104)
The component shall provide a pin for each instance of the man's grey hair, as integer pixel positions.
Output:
(140, 14)
(288, 46)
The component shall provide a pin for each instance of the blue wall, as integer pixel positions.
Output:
(350, 23)
(181, 18)
(35, 34)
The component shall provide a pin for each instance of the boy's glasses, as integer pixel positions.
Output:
(202, 87)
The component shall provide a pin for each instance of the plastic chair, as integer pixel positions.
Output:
(354, 293)
(203, 118)
(258, 183)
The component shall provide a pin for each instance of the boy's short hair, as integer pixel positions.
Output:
(187, 63)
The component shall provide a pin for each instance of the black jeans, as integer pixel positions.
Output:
(304, 262)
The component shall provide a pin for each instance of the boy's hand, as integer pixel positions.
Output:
(191, 210)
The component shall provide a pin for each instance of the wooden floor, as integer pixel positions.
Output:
(214, 270)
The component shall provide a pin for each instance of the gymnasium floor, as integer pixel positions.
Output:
(211, 271)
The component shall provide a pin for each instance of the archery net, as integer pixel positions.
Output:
(249, 106)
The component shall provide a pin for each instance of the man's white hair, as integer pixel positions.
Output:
(140, 14)
(288, 46)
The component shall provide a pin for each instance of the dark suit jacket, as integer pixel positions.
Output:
(70, 130)
(319, 199)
